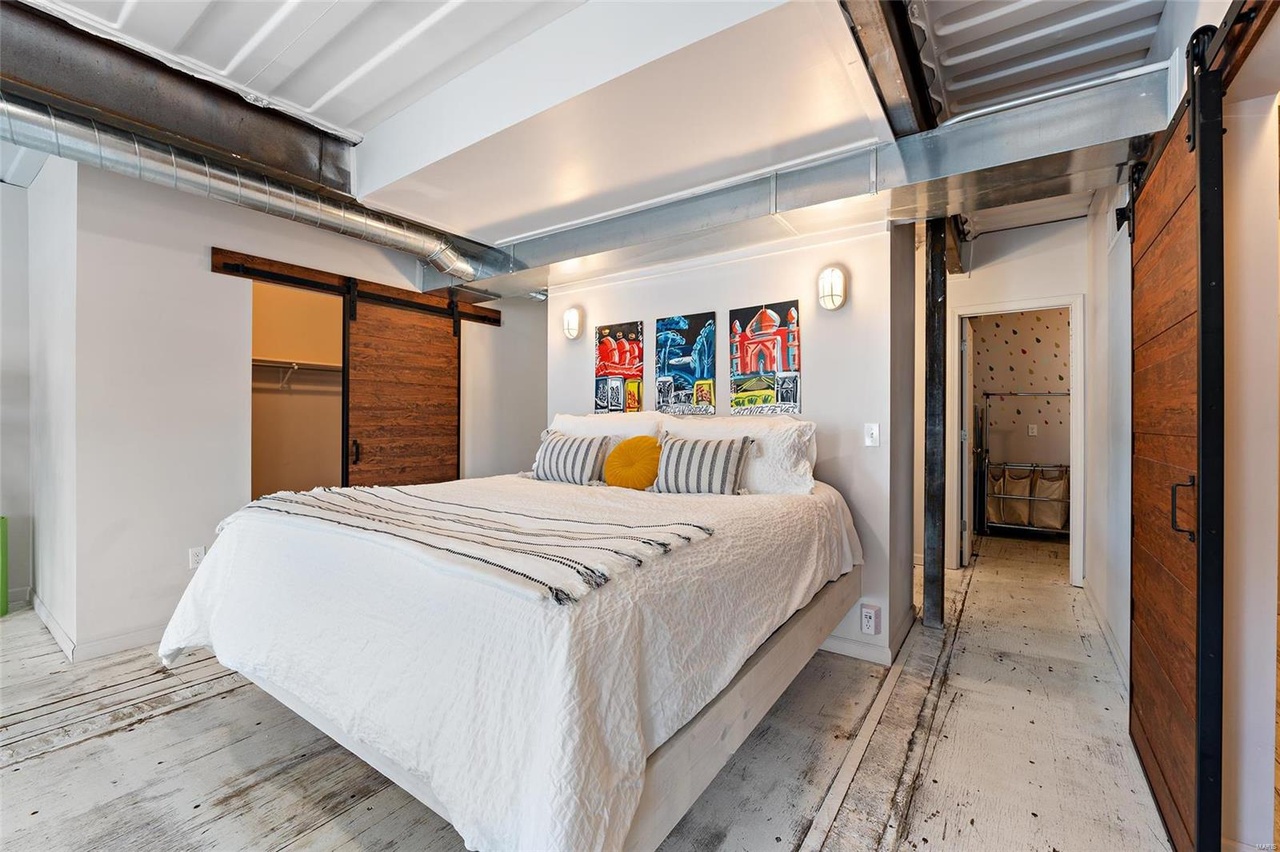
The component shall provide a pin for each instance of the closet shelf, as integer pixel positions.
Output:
(297, 365)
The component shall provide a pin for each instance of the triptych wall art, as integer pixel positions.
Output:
(764, 359)
(764, 362)
(685, 367)
(620, 367)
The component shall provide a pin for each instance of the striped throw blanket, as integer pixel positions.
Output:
(537, 553)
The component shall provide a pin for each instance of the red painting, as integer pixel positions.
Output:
(620, 367)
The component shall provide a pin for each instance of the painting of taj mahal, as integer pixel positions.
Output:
(764, 359)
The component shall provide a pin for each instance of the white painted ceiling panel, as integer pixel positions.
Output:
(784, 86)
(345, 65)
(987, 52)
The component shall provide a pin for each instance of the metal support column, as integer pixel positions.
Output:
(935, 425)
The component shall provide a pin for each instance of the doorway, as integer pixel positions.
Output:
(1018, 444)
(297, 389)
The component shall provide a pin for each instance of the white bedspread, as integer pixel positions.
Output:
(529, 722)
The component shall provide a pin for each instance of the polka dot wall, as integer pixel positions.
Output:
(1025, 352)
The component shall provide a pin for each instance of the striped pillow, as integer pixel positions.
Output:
(700, 466)
(577, 461)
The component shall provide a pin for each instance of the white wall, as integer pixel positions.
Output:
(160, 387)
(1179, 20)
(15, 389)
(1109, 423)
(846, 379)
(51, 259)
(504, 389)
(1252, 417)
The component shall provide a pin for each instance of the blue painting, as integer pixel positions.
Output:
(685, 369)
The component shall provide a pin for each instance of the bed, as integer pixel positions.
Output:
(532, 724)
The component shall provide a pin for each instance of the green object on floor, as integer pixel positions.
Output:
(4, 565)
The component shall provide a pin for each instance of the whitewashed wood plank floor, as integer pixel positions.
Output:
(119, 753)
(1006, 731)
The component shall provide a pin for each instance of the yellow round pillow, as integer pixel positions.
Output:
(633, 463)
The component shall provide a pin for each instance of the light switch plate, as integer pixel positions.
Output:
(1032, 430)
(872, 432)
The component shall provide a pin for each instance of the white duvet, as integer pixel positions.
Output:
(529, 722)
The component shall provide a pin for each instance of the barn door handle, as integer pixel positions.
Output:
(1173, 507)
(355, 451)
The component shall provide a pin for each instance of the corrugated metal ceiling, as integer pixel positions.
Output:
(344, 65)
(980, 54)
(986, 52)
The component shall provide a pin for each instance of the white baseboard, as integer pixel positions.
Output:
(20, 595)
(1118, 656)
(898, 634)
(858, 649)
(120, 642)
(1229, 845)
(872, 651)
(55, 629)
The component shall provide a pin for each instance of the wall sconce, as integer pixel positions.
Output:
(573, 323)
(831, 288)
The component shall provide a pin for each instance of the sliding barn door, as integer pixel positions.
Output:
(402, 395)
(1175, 710)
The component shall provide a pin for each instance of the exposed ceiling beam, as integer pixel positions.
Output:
(39, 127)
(586, 47)
(52, 62)
(882, 31)
(1055, 147)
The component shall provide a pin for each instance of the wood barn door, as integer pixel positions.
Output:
(401, 385)
(1175, 712)
(402, 394)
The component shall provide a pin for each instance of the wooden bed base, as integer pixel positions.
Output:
(682, 767)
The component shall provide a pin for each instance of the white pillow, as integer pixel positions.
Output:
(781, 459)
(612, 425)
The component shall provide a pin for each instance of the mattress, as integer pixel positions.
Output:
(529, 723)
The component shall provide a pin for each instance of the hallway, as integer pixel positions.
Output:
(1030, 747)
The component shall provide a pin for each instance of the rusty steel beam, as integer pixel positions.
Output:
(47, 60)
(882, 32)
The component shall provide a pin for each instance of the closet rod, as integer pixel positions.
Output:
(1028, 465)
(1026, 393)
(297, 365)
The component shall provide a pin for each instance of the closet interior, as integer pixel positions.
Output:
(297, 389)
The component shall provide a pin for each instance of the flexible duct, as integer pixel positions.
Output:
(36, 126)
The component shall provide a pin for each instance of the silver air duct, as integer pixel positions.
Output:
(36, 126)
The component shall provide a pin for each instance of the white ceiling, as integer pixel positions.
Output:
(984, 52)
(345, 65)
(783, 86)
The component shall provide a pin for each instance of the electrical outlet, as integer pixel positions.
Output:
(194, 557)
(1032, 430)
(870, 619)
(871, 432)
